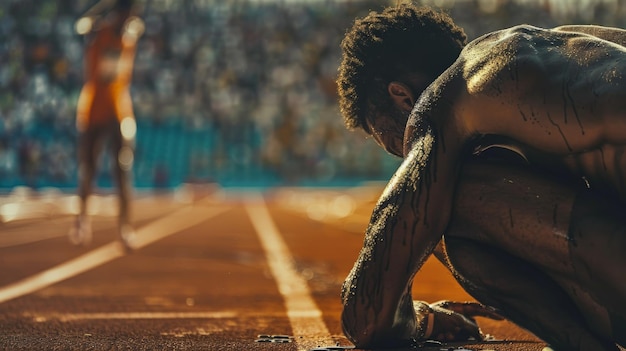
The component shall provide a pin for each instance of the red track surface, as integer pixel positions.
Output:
(201, 278)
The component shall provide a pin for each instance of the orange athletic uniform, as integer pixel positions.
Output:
(108, 72)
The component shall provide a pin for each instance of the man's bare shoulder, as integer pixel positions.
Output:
(546, 45)
(519, 82)
(514, 56)
(612, 34)
(511, 38)
(504, 34)
(527, 57)
(526, 33)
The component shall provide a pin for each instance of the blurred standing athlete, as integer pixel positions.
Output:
(105, 108)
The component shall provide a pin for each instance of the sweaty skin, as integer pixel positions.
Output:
(542, 249)
(557, 96)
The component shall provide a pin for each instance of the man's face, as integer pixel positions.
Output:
(388, 130)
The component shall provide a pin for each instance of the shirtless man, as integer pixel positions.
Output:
(105, 109)
(540, 241)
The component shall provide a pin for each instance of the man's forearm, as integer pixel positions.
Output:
(378, 306)
(369, 323)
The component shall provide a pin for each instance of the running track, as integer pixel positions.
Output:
(213, 270)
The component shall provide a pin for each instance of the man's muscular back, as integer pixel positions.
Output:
(559, 94)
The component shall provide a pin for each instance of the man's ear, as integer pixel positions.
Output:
(401, 95)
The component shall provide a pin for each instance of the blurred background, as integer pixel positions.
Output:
(233, 92)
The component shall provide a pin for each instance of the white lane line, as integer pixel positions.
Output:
(146, 235)
(182, 219)
(59, 216)
(63, 271)
(307, 325)
(58, 227)
(69, 317)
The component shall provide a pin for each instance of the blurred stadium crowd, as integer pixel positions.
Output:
(238, 92)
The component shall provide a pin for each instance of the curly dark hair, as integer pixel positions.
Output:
(392, 45)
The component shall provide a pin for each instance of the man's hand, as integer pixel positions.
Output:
(454, 321)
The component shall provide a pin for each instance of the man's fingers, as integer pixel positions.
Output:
(452, 326)
(460, 334)
(479, 310)
(470, 309)
(470, 329)
(476, 333)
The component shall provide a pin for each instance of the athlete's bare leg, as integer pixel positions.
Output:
(123, 154)
(518, 242)
(522, 294)
(598, 233)
(89, 148)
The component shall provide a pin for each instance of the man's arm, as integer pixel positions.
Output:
(84, 25)
(378, 307)
(406, 225)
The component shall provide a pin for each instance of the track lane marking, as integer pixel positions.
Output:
(59, 216)
(146, 235)
(305, 317)
(70, 317)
